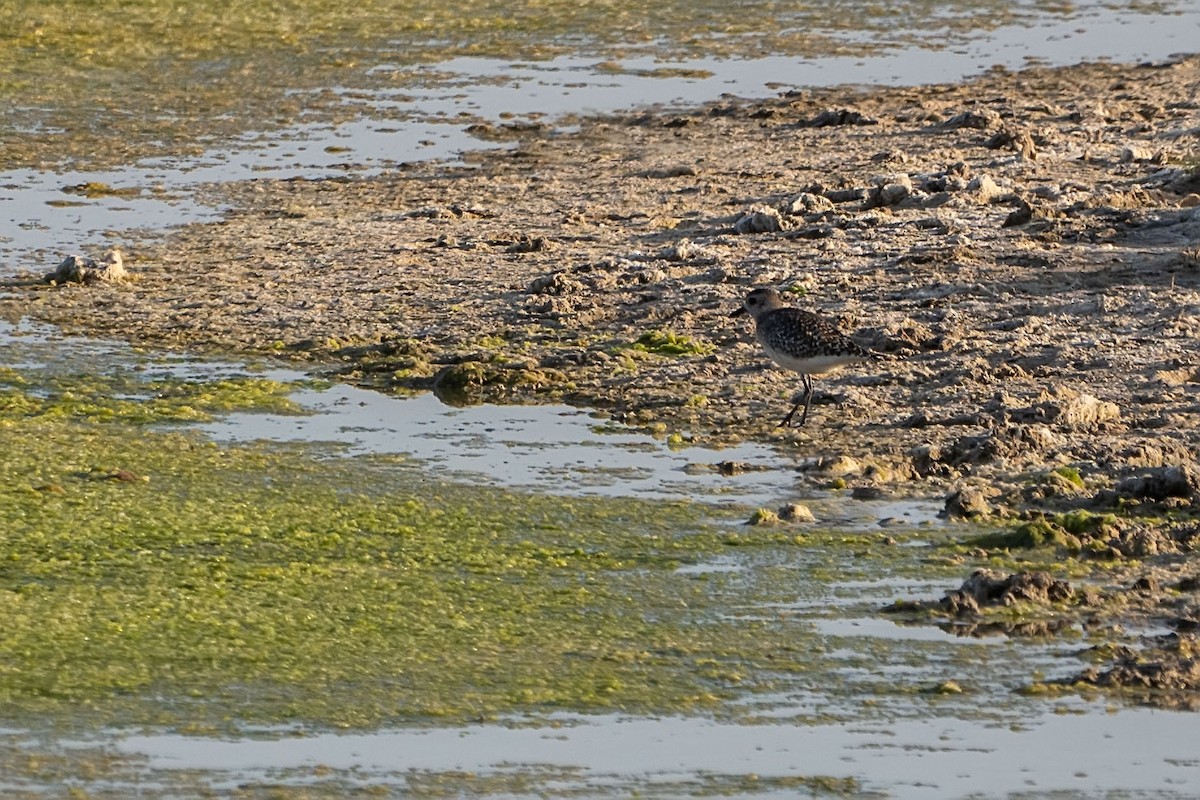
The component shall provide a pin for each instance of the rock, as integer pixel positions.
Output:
(852, 195)
(1161, 483)
(556, 283)
(1084, 411)
(891, 190)
(683, 250)
(1170, 666)
(1059, 485)
(968, 502)
(1020, 141)
(529, 244)
(763, 516)
(675, 171)
(969, 449)
(981, 120)
(81, 269)
(984, 188)
(1146, 584)
(841, 116)
(839, 466)
(1136, 153)
(987, 587)
(807, 203)
(760, 219)
(795, 512)
(1022, 214)
(946, 687)
(1162, 452)
(1070, 410)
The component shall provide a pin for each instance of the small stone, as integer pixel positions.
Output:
(981, 120)
(1136, 153)
(984, 188)
(968, 502)
(760, 219)
(795, 512)
(807, 203)
(80, 269)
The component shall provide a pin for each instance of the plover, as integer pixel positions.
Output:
(798, 340)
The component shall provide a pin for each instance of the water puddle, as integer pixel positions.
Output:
(885, 629)
(553, 448)
(1081, 751)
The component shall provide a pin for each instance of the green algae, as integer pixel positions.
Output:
(669, 343)
(151, 577)
(126, 397)
(1073, 531)
(100, 82)
(1070, 474)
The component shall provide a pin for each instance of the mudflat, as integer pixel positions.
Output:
(1021, 251)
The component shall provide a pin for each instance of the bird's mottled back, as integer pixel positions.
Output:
(802, 334)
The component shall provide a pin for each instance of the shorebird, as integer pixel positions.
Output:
(798, 340)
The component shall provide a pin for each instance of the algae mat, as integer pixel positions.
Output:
(153, 577)
(95, 84)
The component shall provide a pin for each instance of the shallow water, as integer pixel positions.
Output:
(1080, 749)
(557, 449)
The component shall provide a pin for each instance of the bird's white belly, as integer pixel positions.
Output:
(811, 365)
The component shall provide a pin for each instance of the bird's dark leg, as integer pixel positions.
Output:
(805, 398)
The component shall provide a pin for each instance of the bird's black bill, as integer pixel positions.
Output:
(738, 311)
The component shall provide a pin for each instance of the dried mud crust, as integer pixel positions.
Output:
(1021, 248)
